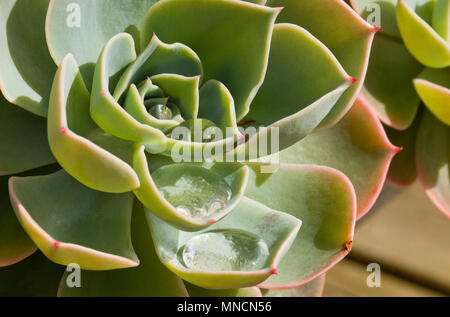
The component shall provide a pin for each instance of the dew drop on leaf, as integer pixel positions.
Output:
(161, 112)
(194, 191)
(225, 250)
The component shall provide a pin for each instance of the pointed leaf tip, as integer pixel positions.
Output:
(376, 29)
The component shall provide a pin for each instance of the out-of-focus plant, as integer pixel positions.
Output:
(408, 85)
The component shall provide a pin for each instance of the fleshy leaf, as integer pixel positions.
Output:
(160, 58)
(217, 105)
(22, 133)
(16, 245)
(73, 137)
(218, 31)
(276, 229)
(441, 19)
(183, 91)
(402, 170)
(234, 174)
(286, 132)
(424, 43)
(89, 25)
(358, 138)
(433, 160)
(150, 278)
(388, 86)
(388, 20)
(105, 110)
(63, 218)
(343, 31)
(26, 68)
(134, 105)
(35, 276)
(303, 83)
(433, 87)
(324, 199)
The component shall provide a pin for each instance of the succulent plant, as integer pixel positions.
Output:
(98, 177)
(408, 85)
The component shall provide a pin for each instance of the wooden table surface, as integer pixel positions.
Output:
(410, 240)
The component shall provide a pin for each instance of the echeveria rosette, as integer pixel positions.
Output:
(91, 92)
(410, 67)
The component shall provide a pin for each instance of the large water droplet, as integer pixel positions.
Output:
(194, 191)
(225, 250)
(161, 112)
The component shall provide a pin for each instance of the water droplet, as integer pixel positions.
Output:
(194, 191)
(225, 250)
(161, 112)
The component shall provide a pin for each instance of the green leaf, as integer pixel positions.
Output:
(234, 174)
(80, 147)
(22, 133)
(433, 87)
(35, 276)
(356, 146)
(134, 105)
(441, 19)
(276, 229)
(388, 86)
(388, 21)
(422, 41)
(150, 278)
(160, 58)
(218, 31)
(181, 90)
(99, 21)
(105, 110)
(26, 70)
(403, 167)
(63, 218)
(16, 245)
(324, 199)
(433, 160)
(217, 105)
(346, 34)
(301, 77)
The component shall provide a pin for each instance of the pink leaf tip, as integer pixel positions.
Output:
(56, 244)
(376, 29)
(63, 130)
(154, 37)
(397, 149)
(149, 119)
(353, 80)
(273, 271)
(279, 9)
(103, 92)
(212, 221)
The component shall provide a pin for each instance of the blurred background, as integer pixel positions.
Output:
(410, 240)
